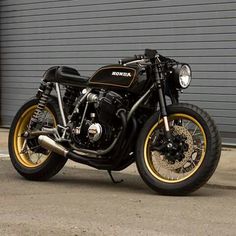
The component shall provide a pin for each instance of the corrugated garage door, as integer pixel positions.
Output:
(87, 34)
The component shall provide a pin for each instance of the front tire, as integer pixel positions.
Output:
(184, 171)
(31, 161)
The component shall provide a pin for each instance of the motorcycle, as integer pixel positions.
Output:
(124, 113)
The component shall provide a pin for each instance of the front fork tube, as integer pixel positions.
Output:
(162, 103)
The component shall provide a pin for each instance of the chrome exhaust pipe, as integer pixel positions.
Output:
(51, 145)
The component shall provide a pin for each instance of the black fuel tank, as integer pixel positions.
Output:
(116, 76)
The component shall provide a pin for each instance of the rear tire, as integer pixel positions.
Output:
(25, 163)
(181, 180)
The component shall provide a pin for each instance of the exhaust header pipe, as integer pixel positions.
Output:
(50, 144)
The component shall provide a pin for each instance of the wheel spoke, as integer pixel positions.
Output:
(23, 146)
(187, 124)
(192, 162)
(197, 148)
(39, 157)
(194, 131)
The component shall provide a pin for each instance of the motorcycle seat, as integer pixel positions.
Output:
(71, 76)
(65, 75)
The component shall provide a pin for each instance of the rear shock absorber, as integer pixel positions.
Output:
(43, 95)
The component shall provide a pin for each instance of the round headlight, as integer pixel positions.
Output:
(185, 76)
(182, 75)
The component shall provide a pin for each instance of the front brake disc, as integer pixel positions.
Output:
(161, 159)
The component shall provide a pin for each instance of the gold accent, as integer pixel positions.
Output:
(18, 141)
(115, 85)
(149, 162)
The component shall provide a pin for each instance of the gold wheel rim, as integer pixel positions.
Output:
(25, 158)
(148, 159)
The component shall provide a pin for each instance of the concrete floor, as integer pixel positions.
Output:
(83, 201)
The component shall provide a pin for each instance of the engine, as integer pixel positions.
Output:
(108, 106)
(98, 122)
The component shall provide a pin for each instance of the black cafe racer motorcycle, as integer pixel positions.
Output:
(125, 113)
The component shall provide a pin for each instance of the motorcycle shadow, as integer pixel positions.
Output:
(80, 177)
(132, 183)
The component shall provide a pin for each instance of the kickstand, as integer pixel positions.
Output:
(113, 180)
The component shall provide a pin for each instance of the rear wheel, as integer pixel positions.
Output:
(193, 160)
(28, 158)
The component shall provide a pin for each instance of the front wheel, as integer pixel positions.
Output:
(192, 161)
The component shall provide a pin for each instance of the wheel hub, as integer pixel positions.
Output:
(35, 147)
(178, 156)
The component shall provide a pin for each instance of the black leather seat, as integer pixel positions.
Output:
(71, 76)
(65, 75)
